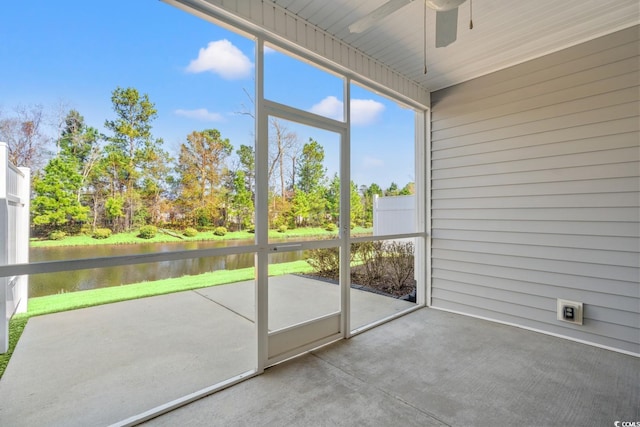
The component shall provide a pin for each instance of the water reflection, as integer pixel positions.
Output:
(70, 281)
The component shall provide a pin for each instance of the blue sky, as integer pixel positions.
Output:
(77, 52)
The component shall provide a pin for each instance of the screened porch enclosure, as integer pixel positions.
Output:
(192, 343)
(524, 154)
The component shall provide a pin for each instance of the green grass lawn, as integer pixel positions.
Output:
(132, 237)
(81, 299)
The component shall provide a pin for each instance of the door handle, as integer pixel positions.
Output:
(285, 247)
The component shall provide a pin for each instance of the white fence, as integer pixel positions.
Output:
(14, 240)
(394, 215)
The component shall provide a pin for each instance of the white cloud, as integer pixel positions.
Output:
(363, 111)
(372, 162)
(200, 114)
(329, 107)
(223, 58)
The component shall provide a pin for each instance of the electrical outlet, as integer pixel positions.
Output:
(570, 311)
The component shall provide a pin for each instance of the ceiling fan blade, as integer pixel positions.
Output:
(446, 27)
(368, 20)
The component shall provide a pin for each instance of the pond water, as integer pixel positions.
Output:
(70, 281)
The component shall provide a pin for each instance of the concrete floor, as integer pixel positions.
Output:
(103, 364)
(432, 368)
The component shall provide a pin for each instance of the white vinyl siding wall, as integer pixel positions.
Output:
(536, 192)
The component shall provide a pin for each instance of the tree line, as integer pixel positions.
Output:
(124, 179)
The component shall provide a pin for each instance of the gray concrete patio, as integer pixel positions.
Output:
(101, 365)
(433, 368)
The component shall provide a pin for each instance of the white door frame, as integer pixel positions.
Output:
(291, 341)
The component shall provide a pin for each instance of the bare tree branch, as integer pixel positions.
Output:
(24, 136)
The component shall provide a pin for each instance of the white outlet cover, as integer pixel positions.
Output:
(577, 307)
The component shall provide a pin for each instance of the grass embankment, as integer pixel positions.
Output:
(132, 237)
(82, 299)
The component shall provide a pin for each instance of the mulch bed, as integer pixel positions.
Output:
(383, 285)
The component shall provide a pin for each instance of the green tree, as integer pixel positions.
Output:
(407, 189)
(332, 197)
(357, 208)
(114, 208)
(59, 188)
(246, 155)
(154, 185)
(242, 202)
(311, 181)
(55, 204)
(77, 139)
(201, 168)
(99, 189)
(312, 171)
(374, 189)
(80, 143)
(128, 149)
(368, 194)
(392, 190)
(300, 207)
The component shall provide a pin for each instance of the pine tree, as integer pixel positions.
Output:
(131, 150)
(201, 168)
(312, 177)
(59, 188)
(55, 205)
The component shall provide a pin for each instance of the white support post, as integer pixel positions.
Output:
(22, 238)
(262, 209)
(426, 137)
(345, 214)
(4, 249)
(376, 218)
(422, 266)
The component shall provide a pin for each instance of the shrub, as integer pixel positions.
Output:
(278, 221)
(219, 231)
(190, 232)
(400, 257)
(325, 262)
(282, 228)
(251, 230)
(85, 230)
(101, 233)
(147, 232)
(331, 227)
(372, 256)
(202, 217)
(57, 235)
